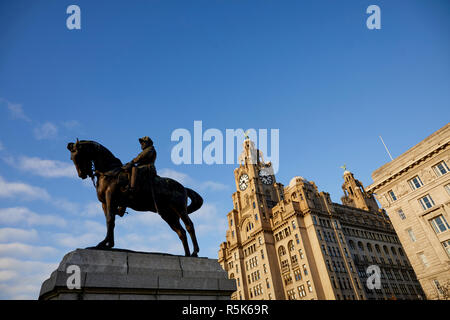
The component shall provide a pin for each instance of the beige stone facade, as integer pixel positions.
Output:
(294, 243)
(414, 189)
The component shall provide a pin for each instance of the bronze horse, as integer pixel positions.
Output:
(170, 199)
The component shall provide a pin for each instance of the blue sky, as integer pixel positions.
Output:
(311, 69)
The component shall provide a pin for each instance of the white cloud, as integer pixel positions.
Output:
(214, 186)
(24, 267)
(43, 167)
(22, 215)
(78, 241)
(185, 179)
(15, 110)
(22, 279)
(47, 130)
(15, 234)
(93, 209)
(71, 124)
(25, 191)
(173, 174)
(66, 205)
(209, 220)
(18, 250)
(6, 275)
(94, 227)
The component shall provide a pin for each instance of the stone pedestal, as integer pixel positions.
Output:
(126, 275)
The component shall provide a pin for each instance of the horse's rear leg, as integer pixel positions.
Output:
(174, 223)
(190, 228)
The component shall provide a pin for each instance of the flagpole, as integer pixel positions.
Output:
(386, 148)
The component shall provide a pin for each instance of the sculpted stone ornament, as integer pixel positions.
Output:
(141, 189)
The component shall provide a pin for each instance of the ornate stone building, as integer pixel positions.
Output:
(294, 243)
(414, 189)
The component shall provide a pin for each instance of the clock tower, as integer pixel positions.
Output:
(250, 242)
(256, 185)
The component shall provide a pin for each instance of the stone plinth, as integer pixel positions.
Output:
(126, 275)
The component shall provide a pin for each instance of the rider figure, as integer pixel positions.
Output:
(142, 165)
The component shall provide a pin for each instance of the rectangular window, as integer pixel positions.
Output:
(415, 183)
(438, 287)
(441, 168)
(439, 224)
(301, 291)
(300, 252)
(424, 259)
(426, 202)
(446, 245)
(401, 214)
(319, 235)
(392, 195)
(309, 286)
(305, 271)
(447, 188)
(411, 234)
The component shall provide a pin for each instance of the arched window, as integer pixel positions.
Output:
(351, 244)
(281, 251)
(360, 246)
(385, 250)
(369, 247)
(400, 251)
(291, 246)
(377, 247)
(350, 189)
(393, 251)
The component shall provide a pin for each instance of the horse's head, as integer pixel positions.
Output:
(79, 154)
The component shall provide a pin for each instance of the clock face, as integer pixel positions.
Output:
(265, 176)
(243, 182)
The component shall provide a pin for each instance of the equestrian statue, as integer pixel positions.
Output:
(135, 185)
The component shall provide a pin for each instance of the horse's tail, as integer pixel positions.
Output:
(196, 200)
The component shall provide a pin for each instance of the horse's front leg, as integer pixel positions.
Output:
(108, 210)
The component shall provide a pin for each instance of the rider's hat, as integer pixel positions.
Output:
(145, 139)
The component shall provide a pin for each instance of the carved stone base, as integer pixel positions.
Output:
(126, 275)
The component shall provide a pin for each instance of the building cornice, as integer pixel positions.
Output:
(437, 142)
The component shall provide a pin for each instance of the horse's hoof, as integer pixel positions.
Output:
(104, 245)
(194, 254)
